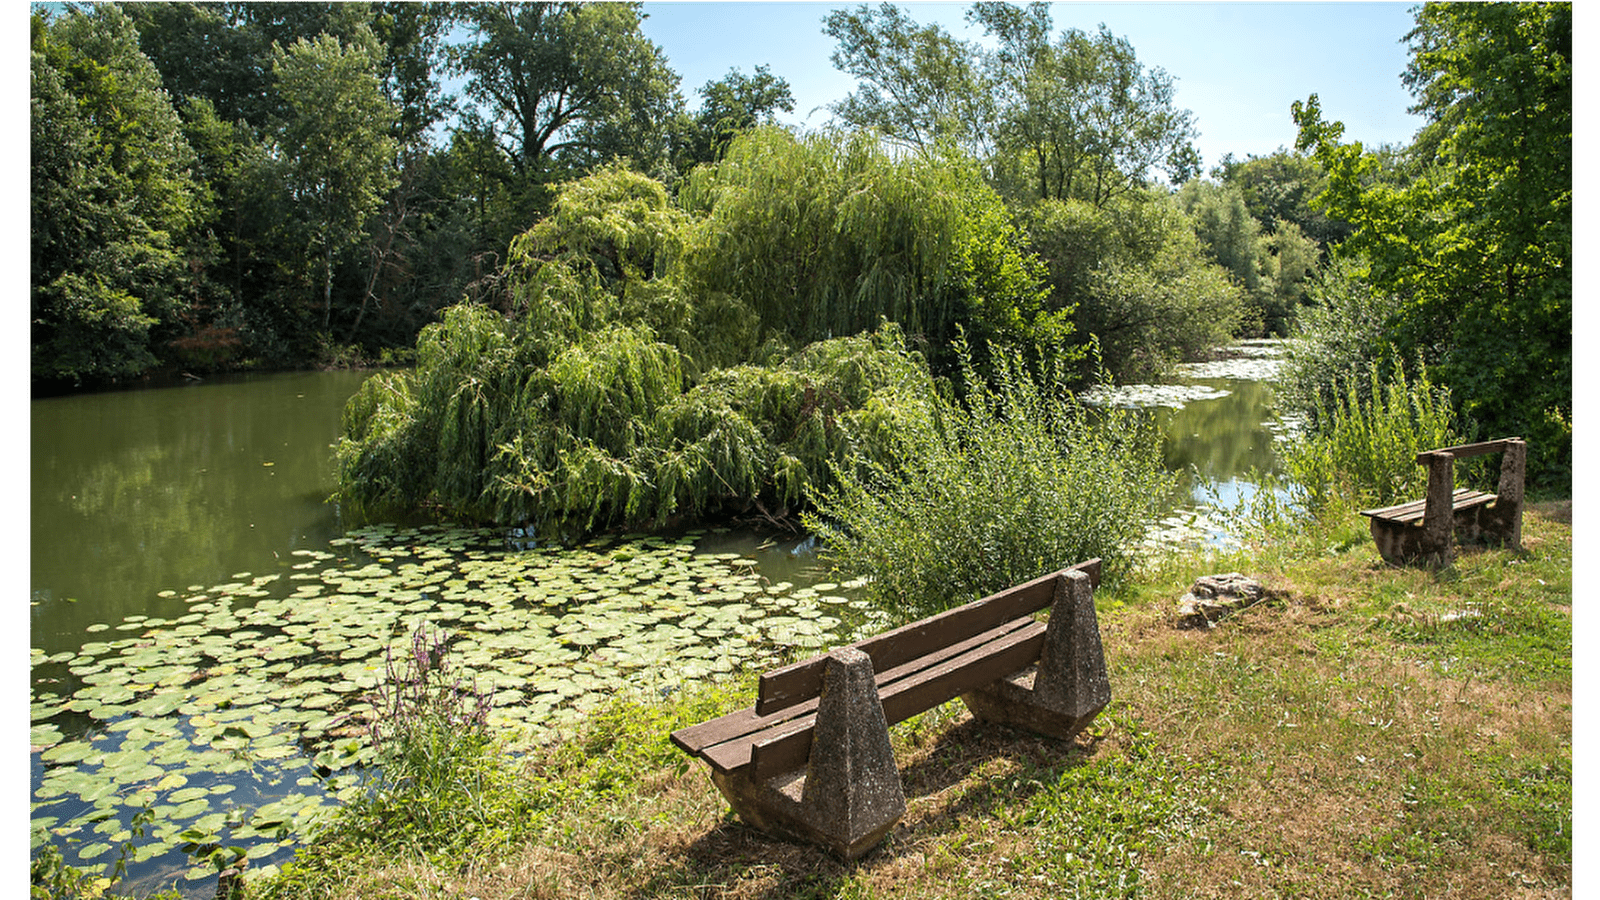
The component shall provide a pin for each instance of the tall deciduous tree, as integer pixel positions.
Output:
(113, 198)
(412, 35)
(1478, 244)
(730, 106)
(918, 84)
(1054, 117)
(559, 82)
(1080, 114)
(336, 147)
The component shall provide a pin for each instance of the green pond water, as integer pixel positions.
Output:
(206, 630)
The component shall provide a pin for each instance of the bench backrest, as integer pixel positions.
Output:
(802, 681)
(1467, 451)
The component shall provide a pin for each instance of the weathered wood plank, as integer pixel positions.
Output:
(745, 722)
(788, 746)
(803, 680)
(735, 725)
(1467, 451)
(1406, 513)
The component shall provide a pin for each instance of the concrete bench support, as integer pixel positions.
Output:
(1069, 686)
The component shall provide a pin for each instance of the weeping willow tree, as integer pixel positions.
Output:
(611, 434)
(826, 234)
(642, 368)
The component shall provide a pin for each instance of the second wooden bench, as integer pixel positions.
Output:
(1426, 530)
(812, 759)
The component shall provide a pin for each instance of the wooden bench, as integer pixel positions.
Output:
(1426, 530)
(811, 759)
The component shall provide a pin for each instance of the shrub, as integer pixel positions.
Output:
(1365, 443)
(1344, 330)
(1016, 480)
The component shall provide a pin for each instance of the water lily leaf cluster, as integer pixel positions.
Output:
(243, 723)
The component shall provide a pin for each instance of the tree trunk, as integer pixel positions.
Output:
(327, 286)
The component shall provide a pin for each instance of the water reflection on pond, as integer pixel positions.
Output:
(1219, 424)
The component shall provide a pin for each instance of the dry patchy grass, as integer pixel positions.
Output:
(1353, 737)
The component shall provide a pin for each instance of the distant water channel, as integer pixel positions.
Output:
(185, 571)
(1220, 423)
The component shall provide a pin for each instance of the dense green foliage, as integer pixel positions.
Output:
(1138, 277)
(113, 201)
(826, 235)
(730, 106)
(639, 368)
(1271, 266)
(335, 147)
(1014, 480)
(1069, 128)
(277, 245)
(1279, 188)
(1477, 243)
(1342, 335)
(1365, 447)
(608, 432)
(565, 84)
(297, 184)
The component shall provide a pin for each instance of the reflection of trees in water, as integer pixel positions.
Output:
(1223, 438)
(142, 491)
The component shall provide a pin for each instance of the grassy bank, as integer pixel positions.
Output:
(1367, 732)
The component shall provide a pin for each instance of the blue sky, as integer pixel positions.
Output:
(1238, 66)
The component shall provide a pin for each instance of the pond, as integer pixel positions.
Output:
(1220, 424)
(206, 630)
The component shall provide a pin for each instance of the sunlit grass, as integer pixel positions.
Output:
(1349, 738)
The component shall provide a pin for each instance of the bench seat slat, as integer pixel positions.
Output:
(904, 692)
(1405, 513)
(744, 722)
(801, 681)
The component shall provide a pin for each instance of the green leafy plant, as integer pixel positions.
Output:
(435, 750)
(51, 878)
(1366, 442)
(441, 781)
(1015, 480)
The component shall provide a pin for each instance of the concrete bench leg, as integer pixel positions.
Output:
(1069, 687)
(1504, 519)
(1437, 544)
(849, 795)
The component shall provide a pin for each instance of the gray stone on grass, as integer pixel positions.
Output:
(1213, 598)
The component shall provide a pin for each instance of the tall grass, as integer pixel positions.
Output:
(1364, 445)
(1015, 480)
